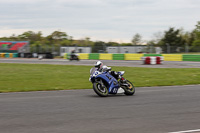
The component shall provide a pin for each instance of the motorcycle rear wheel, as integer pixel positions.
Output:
(100, 90)
(130, 89)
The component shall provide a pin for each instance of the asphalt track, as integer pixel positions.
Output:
(166, 64)
(150, 110)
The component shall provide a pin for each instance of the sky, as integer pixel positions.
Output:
(100, 20)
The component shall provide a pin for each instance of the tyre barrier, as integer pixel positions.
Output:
(134, 56)
(8, 55)
(152, 60)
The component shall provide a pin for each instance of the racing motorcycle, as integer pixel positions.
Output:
(74, 57)
(104, 83)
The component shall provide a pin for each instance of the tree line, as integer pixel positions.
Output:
(172, 37)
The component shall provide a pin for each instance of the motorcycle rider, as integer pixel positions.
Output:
(72, 54)
(102, 68)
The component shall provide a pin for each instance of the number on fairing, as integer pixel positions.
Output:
(114, 90)
(96, 73)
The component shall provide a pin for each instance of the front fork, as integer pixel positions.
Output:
(100, 82)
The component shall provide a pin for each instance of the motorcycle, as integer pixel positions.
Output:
(104, 83)
(74, 57)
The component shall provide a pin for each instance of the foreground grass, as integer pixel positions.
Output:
(34, 77)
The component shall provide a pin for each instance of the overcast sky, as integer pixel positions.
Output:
(106, 20)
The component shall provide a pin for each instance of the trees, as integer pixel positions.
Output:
(196, 39)
(189, 37)
(31, 36)
(173, 38)
(197, 35)
(137, 39)
(176, 39)
(156, 39)
(98, 47)
(58, 35)
(112, 44)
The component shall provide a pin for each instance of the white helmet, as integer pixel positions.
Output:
(98, 64)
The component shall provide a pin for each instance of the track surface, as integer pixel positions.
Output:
(166, 64)
(151, 110)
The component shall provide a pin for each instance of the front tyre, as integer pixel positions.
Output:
(129, 88)
(100, 90)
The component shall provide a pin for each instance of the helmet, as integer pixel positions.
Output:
(98, 64)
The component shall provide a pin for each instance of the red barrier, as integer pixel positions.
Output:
(152, 60)
(158, 60)
(147, 60)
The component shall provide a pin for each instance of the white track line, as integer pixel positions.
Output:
(187, 131)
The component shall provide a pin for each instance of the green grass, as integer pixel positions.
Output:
(35, 77)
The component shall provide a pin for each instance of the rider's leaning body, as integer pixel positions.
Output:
(102, 68)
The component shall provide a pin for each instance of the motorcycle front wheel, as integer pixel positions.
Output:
(130, 89)
(100, 90)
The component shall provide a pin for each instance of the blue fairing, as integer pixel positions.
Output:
(111, 82)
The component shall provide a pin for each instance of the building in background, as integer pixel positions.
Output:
(14, 46)
(126, 49)
(77, 49)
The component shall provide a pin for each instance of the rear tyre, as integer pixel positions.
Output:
(130, 89)
(100, 90)
(77, 59)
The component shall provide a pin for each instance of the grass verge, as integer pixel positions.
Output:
(36, 77)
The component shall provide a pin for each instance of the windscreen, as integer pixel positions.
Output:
(92, 70)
